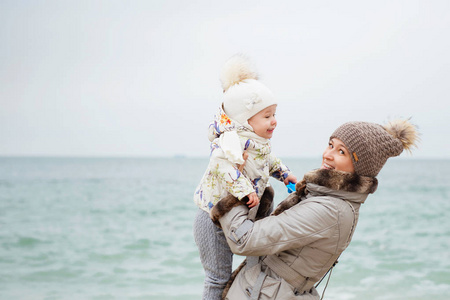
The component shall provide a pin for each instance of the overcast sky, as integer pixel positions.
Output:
(141, 78)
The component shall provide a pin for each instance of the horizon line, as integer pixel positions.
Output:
(182, 156)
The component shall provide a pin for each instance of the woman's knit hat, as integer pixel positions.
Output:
(371, 144)
(244, 96)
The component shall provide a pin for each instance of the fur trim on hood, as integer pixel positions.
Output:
(332, 179)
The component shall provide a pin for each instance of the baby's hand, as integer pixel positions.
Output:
(290, 178)
(253, 200)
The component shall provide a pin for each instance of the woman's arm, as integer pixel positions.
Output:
(296, 227)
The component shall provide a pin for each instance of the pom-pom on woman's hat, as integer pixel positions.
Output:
(244, 95)
(371, 144)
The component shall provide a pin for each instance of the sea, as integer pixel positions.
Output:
(121, 228)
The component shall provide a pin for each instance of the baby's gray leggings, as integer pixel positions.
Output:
(215, 255)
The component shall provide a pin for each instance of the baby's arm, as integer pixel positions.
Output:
(230, 177)
(253, 197)
(281, 172)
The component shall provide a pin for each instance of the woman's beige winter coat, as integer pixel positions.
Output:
(308, 238)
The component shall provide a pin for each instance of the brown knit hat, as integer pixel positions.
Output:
(371, 144)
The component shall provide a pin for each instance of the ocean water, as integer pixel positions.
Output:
(121, 228)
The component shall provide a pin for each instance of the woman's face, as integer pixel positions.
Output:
(337, 157)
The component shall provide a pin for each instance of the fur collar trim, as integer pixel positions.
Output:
(341, 181)
(332, 179)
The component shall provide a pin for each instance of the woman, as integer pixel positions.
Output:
(290, 251)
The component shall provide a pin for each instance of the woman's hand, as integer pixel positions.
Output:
(253, 200)
(290, 178)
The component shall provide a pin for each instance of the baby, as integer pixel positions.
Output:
(240, 164)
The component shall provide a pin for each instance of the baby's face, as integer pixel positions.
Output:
(264, 122)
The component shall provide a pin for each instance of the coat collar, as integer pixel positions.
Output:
(342, 181)
(343, 185)
(318, 190)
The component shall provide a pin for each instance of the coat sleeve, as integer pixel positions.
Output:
(277, 169)
(296, 227)
(229, 176)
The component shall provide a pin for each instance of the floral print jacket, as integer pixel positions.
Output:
(222, 176)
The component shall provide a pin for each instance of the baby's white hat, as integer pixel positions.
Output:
(244, 96)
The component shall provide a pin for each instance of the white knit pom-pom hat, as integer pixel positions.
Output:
(244, 95)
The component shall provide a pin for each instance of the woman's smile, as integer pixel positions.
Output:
(326, 166)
